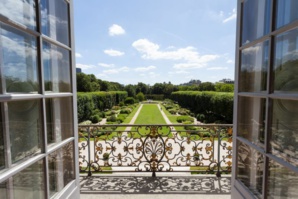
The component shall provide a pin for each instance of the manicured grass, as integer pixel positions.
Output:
(150, 114)
(105, 170)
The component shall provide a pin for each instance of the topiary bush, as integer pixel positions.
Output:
(95, 119)
(112, 118)
(121, 118)
(189, 127)
(125, 111)
(173, 111)
(184, 118)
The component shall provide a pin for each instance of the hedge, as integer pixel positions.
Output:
(213, 106)
(90, 101)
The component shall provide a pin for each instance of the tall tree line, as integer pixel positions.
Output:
(89, 83)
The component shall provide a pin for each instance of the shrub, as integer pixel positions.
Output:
(189, 127)
(121, 104)
(116, 108)
(169, 107)
(173, 111)
(129, 100)
(112, 118)
(87, 122)
(95, 119)
(200, 117)
(125, 111)
(121, 118)
(184, 118)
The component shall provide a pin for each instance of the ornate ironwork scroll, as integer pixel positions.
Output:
(155, 148)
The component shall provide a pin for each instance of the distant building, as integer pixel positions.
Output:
(78, 70)
(227, 81)
(192, 82)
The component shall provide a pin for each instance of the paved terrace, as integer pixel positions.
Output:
(180, 185)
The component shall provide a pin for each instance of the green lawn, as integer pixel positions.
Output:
(150, 114)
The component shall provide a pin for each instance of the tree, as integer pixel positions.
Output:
(87, 83)
(131, 90)
(141, 87)
(140, 96)
(222, 87)
(207, 86)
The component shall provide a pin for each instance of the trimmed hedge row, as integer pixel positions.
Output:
(158, 97)
(214, 106)
(88, 102)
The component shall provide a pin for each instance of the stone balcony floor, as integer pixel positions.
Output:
(136, 185)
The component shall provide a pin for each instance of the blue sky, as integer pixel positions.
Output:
(155, 41)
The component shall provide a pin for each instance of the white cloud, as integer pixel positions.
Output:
(143, 69)
(84, 66)
(106, 65)
(221, 13)
(116, 30)
(179, 72)
(232, 16)
(230, 61)
(188, 54)
(101, 75)
(217, 68)
(116, 70)
(78, 55)
(113, 53)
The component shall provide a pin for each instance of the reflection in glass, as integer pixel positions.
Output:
(3, 190)
(29, 183)
(56, 68)
(250, 168)
(22, 12)
(61, 168)
(24, 128)
(2, 157)
(254, 66)
(286, 62)
(286, 12)
(284, 129)
(18, 60)
(55, 20)
(251, 121)
(59, 119)
(282, 183)
(255, 20)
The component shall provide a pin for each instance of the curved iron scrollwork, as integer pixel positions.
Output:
(155, 148)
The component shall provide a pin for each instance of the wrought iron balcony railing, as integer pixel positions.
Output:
(205, 149)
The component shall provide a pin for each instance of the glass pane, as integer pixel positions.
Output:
(250, 168)
(20, 11)
(56, 68)
(61, 168)
(284, 139)
(254, 66)
(255, 20)
(282, 183)
(55, 20)
(2, 151)
(59, 119)
(24, 128)
(251, 119)
(286, 12)
(286, 62)
(19, 60)
(3, 189)
(29, 183)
